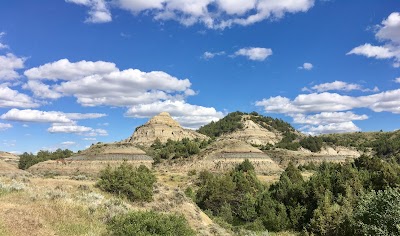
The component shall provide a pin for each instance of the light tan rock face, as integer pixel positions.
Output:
(254, 133)
(162, 127)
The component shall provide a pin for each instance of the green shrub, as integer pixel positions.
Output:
(176, 149)
(149, 223)
(136, 184)
(312, 143)
(378, 213)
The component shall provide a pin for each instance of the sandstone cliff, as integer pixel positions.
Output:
(162, 127)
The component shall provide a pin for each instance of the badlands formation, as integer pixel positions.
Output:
(162, 127)
(221, 154)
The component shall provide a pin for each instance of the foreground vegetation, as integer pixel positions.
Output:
(149, 223)
(135, 184)
(360, 198)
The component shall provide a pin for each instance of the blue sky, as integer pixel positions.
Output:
(76, 72)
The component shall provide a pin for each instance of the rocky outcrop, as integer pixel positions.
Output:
(254, 133)
(162, 127)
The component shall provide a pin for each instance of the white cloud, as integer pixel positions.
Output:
(29, 115)
(99, 11)
(210, 55)
(3, 46)
(254, 53)
(101, 83)
(325, 118)
(188, 115)
(132, 88)
(389, 33)
(89, 139)
(13, 98)
(215, 14)
(4, 126)
(379, 52)
(397, 80)
(338, 86)
(306, 66)
(65, 70)
(72, 128)
(9, 63)
(319, 102)
(68, 143)
(69, 128)
(324, 112)
(41, 90)
(390, 28)
(344, 127)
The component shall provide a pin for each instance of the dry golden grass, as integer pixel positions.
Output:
(62, 206)
(48, 207)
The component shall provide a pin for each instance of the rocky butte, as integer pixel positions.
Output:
(162, 127)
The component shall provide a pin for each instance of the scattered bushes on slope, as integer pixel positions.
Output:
(312, 143)
(149, 223)
(136, 184)
(228, 124)
(28, 159)
(177, 149)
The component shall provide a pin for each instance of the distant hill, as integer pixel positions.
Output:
(252, 128)
(383, 144)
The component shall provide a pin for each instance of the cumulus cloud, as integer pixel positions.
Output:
(344, 127)
(325, 118)
(41, 90)
(397, 80)
(319, 102)
(306, 66)
(9, 64)
(339, 86)
(4, 126)
(214, 14)
(99, 11)
(76, 129)
(3, 46)
(13, 98)
(327, 111)
(37, 116)
(378, 52)
(65, 70)
(188, 115)
(254, 53)
(210, 55)
(68, 143)
(101, 83)
(387, 32)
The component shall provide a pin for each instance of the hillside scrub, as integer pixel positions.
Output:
(149, 223)
(28, 159)
(228, 124)
(332, 202)
(136, 184)
(384, 144)
(176, 149)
